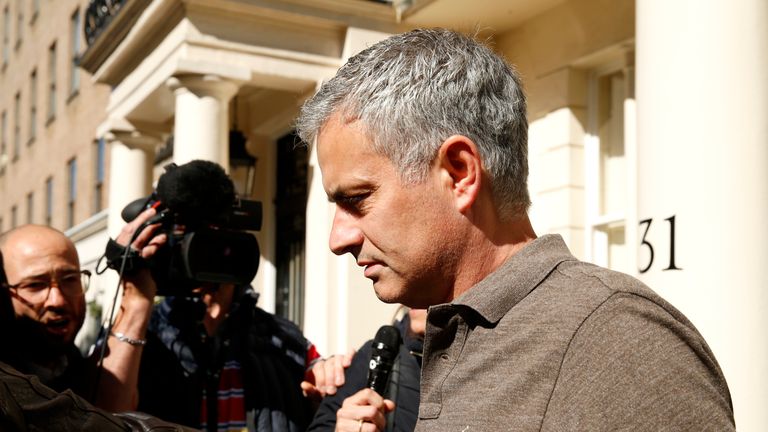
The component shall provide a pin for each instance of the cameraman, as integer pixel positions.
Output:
(208, 357)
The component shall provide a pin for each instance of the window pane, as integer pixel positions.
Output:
(6, 34)
(74, 83)
(609, 247)
(33, 105)
(16, 127)
(100, 157)
(72, 169)
(48, 201)
(611, 134)
(30, 207)
(52, 81)
(3, 133)
(20, 21)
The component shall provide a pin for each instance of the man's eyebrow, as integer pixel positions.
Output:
(46, 274)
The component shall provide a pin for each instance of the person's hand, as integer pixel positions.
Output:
(147, 242)
(363, 411)
(326, 376)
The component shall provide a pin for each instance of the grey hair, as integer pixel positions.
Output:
(412, 91)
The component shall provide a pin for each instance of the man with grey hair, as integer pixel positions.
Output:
(422, 144)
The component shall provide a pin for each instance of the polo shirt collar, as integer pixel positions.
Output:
(495, 295)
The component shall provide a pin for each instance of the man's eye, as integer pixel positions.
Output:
(34, 285)
(354, 202)
(71, 279)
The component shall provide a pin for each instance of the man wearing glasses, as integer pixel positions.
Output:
(47, 289)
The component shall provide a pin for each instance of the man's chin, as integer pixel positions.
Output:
(41, 340)
(60, 337)
(388, 294)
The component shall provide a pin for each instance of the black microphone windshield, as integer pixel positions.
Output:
(384, 349)
(197, 191)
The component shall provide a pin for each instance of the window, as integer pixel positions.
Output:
(35, 10)
(72, 192)
(608, 185)
(30, 207)
(3, 129)
(16, 126)
(32, 106)
(52, 82)
(6, 35)
(13, 217)
(49, 201)
(19, 22)
(74, 72)
(101, 148)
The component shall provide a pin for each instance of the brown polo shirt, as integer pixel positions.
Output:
(547, 342)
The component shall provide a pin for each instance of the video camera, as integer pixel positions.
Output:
(206, 224)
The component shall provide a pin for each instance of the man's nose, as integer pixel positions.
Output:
(56, 296)
(346, 236)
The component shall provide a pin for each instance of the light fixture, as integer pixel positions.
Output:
(242, 165)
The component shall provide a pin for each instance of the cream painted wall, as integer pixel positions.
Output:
(702, 110)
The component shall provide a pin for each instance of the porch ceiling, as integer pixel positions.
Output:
(496, 16)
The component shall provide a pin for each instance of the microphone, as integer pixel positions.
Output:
(385, 347)
(197, 191)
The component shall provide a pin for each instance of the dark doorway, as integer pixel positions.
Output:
(290, 212)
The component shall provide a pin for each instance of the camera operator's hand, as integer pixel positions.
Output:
(363, 411)
(146, 242)
(139, 287)
(326, 376)
(118, 386)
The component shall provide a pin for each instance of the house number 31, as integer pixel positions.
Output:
(645, 243)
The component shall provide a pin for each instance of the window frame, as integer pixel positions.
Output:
(602, 226)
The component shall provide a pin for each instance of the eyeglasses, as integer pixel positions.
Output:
(37, 290)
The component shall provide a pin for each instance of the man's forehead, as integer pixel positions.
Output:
(38, 247)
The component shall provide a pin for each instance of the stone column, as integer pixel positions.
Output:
(702, 157)
(130, 177)
(202, 118)
(130, 172)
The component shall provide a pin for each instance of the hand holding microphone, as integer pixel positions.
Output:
(366, 409)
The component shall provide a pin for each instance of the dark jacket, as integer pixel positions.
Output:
(180, 362)
(403, 388)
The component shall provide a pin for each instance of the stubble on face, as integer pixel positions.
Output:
(400, 233)
(37, 251)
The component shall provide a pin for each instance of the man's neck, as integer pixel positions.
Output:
(492, 246)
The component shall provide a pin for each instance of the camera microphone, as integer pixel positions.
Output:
(197, 191)
(384, 349)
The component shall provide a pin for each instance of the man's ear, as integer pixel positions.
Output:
(461, 170)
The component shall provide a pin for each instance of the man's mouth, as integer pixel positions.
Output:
(372, 269)
(57, 325)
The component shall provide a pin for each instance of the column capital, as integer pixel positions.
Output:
(204, 85)
(134, 139)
